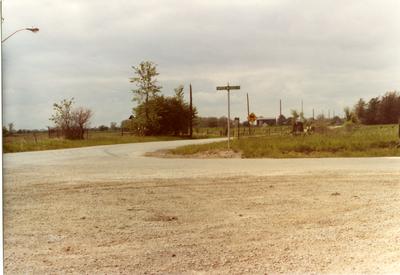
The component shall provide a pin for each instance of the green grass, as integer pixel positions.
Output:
(27, 142)
(363, 141)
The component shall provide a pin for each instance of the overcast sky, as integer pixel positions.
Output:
(326, 53)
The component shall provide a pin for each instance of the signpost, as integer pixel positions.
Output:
(237, 120)
(228, 89)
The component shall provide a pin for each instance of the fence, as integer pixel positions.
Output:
(243, 131)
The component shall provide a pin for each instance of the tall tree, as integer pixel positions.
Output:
(360, 110)
(389, 108)
(146, 83)
(371, 113)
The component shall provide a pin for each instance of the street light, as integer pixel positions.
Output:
(24, 29)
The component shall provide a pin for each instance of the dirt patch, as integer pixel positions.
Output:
(161, 218)
(210, 154)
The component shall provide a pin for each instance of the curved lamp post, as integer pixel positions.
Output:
(24, 29)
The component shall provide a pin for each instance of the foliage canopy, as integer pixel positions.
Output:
(157, 114)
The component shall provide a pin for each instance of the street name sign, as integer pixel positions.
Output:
(228, 88)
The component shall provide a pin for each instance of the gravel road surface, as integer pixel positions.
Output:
(127, 162)
(111, 210)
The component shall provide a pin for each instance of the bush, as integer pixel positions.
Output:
(162, 115)
(350, 126)
(103, 128)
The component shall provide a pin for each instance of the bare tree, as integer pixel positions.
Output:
(71, 122)
(81, 118)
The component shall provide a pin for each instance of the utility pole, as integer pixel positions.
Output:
(248, 112)
(279, 122)
(313, 113)
(228, 89)
(248, 106)
(191, 113)
(302, 106)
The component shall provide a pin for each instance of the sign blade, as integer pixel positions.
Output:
(228, 88)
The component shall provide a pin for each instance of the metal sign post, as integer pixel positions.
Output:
(228, 89)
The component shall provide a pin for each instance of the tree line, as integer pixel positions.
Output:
(378, 110)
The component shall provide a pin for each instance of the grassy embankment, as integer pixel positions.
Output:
(41, 141)
(362, 141)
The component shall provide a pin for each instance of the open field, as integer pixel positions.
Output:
(276, 224)
(363, 141)
(40, 141)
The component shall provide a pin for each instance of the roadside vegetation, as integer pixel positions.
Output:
(378, 110)
(156, 114)
(37, 141)
(350, 141)
(25, 140)
(155, 118)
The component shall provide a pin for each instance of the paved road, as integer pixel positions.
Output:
(126, 162)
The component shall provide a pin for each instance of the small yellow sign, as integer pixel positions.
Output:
(252, 117)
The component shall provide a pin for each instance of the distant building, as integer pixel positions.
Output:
(262, 121)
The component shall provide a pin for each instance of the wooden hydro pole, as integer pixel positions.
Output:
(191, 113)
(302, 107)
(248, 112)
